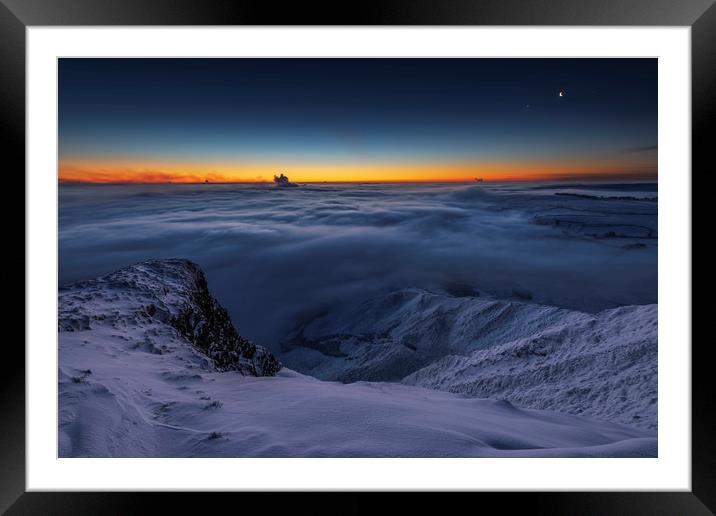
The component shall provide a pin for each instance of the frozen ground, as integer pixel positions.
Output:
(603, 365)
(133, 385)
(143, 413)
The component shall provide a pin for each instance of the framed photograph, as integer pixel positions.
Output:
(434, 247)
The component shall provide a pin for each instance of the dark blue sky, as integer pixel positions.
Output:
(357, 113)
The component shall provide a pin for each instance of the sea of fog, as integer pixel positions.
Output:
(272, 255)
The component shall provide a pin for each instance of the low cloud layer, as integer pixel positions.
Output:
(275, 255)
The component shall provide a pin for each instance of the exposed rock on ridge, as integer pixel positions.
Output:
(171, 292)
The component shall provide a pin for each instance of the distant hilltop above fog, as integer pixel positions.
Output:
(282, 180)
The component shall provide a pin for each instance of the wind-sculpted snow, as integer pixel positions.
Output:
(159, 307)
(391, 336)
(602, 366)
(274, 255)
(135, 381)
(108, 409)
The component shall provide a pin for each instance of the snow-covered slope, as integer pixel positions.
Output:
(391, 336)
(137, 381)
(157, 307)
(150, 412)
(602, 366)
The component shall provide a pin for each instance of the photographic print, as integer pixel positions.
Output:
(357, 257)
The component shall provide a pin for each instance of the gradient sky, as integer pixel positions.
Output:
(157, 120)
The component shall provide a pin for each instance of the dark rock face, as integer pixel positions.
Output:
(170, 294)
(206, 324)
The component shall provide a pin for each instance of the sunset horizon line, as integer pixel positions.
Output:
(79, 171)
(585, 177)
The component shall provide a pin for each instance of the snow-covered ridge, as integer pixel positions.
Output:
(602, 365)
(160, 303)
(145, 370)
(391, 336)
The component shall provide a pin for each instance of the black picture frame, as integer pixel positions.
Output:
(700, 15)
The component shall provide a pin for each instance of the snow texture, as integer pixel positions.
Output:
(168, 298)
(136, 381)
(602, 365)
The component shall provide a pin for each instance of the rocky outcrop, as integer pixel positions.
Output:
(149, 297)
(206, 324)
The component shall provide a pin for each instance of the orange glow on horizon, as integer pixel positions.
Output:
(129, 172)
